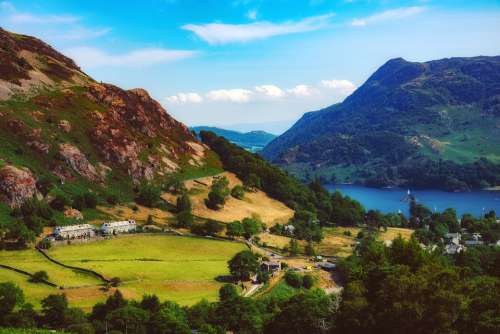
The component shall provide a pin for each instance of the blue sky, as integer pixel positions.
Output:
(215, 62)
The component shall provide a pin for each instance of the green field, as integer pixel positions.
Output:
(181, 269)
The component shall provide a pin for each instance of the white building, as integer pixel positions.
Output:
(118, 227)
(74, 231)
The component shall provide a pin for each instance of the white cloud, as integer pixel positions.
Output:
(301, 90)
(342, 87)
(88, 57)
(270, 90)
(182, 98)
(236, 95)
(221, 33)
(251, 14)
(393, 14)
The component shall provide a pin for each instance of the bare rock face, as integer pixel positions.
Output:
(65, 126)
(73, 213)
(78, 161)
(16, 185)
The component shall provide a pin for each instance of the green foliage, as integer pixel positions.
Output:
(149, 195)
(238, 192)
(11, 296)
(251, 227)
(210, 227)
(60, 201)
(293, 247)
(307, 281)
(185, 219)
(235, 229)
(39, 276)
(218, 194)
(243, 265)
(183, 203)
(293, 279)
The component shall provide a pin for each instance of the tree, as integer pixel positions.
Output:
(170, 319)
(39, 276)
(10, 296)
(128, 318)
(185, 219)
(243, 265)
(251, 226)
(149, 220)
(309, 249)
(183, 203)
(307, 313)
(149, 195)
(20, 233)
(213, 227)
(235, 229)
(293, 247)
(238, 192)
(227, 292)
(218, 193)
(54, 308)
(252, 182)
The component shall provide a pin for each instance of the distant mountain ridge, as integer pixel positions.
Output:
(432, 124)
(253, 140)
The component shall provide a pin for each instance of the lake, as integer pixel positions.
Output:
(390, 200)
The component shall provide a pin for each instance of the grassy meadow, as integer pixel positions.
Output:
(181, 269)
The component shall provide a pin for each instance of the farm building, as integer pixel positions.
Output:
(271, 266)
(118, 227)
(74, 231)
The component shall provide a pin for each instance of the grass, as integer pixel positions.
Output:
(27, 331)
(32, 261)
(33, 293)
(257, 204)
(181, 269)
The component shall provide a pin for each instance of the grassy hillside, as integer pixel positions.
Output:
(255, 203)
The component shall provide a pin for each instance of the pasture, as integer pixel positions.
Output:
(181, 269)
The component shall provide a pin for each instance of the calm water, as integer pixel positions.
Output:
(389, 200)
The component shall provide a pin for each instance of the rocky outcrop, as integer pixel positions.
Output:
(73, 213)
(17, 185)
(78, 162)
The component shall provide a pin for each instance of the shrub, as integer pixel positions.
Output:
(60, 202)
(39, 276)
(238, 192)
(149, 195)
(235, 229)
(293, 279)
(90, 200)
(307, 281)
(112, 199)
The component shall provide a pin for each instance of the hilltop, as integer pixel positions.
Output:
(432, 124)
(61, 127)
(253, 140)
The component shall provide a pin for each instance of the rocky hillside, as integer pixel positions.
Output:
(58, 124)
(432, 124)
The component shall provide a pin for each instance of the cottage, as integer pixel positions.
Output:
(119, 227)
(74, 231)
(452, 238)
(270, 266)
(452, 249)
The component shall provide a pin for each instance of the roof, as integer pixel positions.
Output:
(119, 223)
(70, 228)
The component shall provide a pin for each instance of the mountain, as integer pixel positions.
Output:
(433, 124)
(62, 127)
(252, 141)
